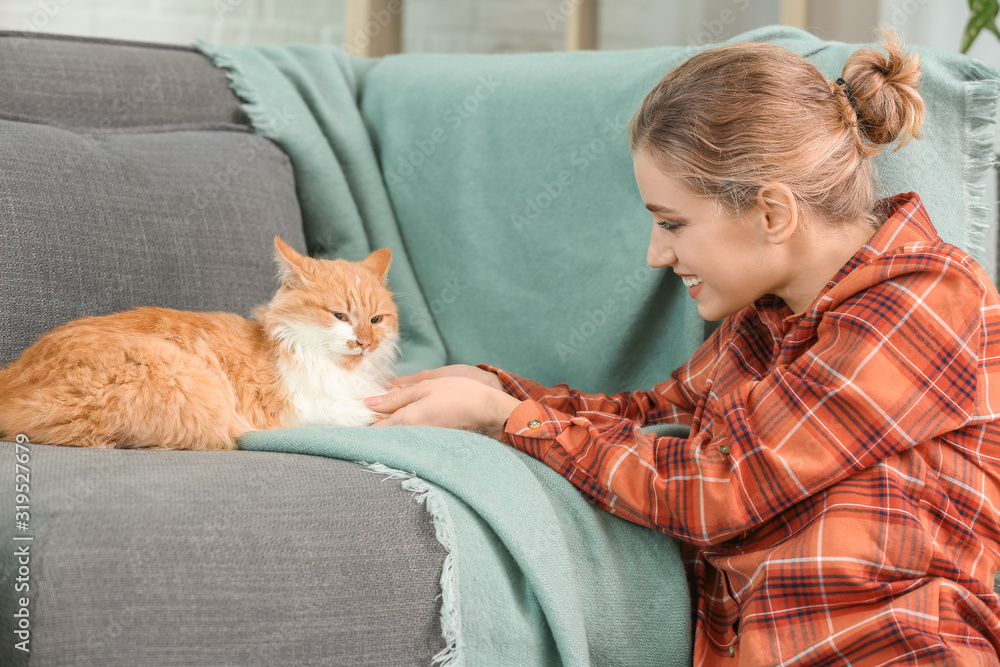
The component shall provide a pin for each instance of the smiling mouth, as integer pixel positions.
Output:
(691, 281)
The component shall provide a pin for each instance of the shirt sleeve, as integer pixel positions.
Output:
(674, 401)
(889, 368)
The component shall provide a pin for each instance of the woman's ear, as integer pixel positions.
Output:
(778, 212)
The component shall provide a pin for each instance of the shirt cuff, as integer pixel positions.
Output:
(517, 387)
(533, 428)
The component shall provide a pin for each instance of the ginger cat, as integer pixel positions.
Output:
(156, 378)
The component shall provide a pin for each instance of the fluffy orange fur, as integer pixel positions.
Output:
(157, 378)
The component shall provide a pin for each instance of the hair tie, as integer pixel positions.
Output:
(850, 98)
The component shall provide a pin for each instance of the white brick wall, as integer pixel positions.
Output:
(473, 26)
(182, 21)
(482, 26)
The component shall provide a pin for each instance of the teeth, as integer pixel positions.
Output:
(691, 282)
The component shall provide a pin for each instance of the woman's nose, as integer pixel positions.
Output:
(660, 255)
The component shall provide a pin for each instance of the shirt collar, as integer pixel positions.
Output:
(906, 223)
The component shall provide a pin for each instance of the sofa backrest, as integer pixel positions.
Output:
(130, 176)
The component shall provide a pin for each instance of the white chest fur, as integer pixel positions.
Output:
(322, 392)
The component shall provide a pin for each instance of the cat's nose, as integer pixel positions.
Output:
(363, 344)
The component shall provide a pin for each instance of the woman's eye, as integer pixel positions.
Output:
(669, 225)
(376, 319)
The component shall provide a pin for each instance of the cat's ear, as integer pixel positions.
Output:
(379, 262)
(290, 265)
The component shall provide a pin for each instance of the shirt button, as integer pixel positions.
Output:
(534, 423)
(724, 450)
(732, 651)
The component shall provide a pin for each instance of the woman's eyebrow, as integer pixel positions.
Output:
(656, 208)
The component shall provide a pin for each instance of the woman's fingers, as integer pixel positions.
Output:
(393, 399)
(386, 405)
(404, 380)
(453, 370)
(450, 402)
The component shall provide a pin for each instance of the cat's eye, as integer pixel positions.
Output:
(339, 316)
(376, 319)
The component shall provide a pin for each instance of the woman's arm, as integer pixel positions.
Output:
(441, 390)
(895, 366)
(450, 401)
(670, 402)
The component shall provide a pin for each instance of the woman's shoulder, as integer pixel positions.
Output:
(930, 291)
(935, 265)
(907, 249)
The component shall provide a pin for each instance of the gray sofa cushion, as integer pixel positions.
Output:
(219, 558)
(95, 83)
(101, 222)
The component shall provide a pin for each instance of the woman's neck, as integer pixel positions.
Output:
(818, 253)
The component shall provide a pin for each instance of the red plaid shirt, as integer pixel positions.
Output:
(837, 497)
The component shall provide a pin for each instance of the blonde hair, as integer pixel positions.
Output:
(730, 119)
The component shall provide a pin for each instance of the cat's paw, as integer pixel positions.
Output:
(351, 413)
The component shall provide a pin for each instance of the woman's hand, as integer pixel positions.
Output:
(455, 370)
(448, 401)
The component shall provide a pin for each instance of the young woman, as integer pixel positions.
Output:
(837, 498)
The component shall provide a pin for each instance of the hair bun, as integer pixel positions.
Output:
(884, 91)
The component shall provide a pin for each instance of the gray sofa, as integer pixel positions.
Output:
(178, 558)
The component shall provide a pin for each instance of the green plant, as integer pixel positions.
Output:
(984, 15)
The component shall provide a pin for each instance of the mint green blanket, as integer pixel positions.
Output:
(503, 185)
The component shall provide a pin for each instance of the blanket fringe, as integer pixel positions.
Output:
(263, 122)
(981, 106)
(430, 498)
